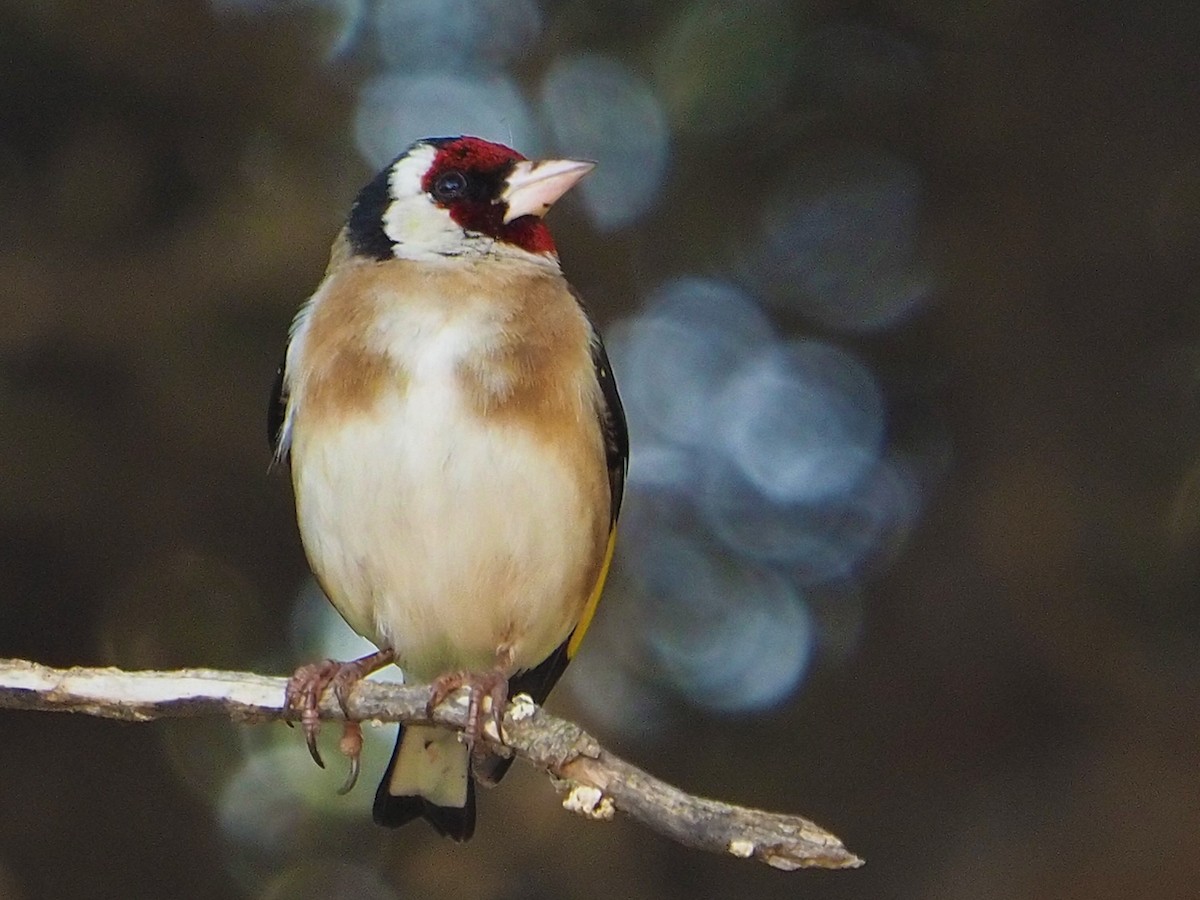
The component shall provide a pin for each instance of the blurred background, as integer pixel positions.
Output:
(901, 297)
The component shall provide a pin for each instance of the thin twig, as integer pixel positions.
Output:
(596, 782)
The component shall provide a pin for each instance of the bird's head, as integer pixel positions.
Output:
(460, 196)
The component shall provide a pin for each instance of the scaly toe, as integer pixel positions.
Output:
(488, 695)
(303, 696)
(443, 686)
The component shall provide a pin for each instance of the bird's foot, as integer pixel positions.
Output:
(303, 696)
(488, 695)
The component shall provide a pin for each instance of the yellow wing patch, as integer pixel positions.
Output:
(589, 609)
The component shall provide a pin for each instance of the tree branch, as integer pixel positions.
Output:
(596, 782)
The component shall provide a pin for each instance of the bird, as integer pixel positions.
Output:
(458, 454)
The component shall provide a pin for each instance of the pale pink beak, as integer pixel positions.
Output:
(536, 184)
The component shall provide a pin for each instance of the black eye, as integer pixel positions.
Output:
(449, 186)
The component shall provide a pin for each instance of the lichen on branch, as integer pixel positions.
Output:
(596, 783)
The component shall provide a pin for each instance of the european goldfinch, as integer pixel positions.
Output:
(457, 448)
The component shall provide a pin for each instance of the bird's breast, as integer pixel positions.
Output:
(446, 536)
(450, 478)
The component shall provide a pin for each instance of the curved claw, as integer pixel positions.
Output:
(311, 740)
(351, 777)
(303, 695)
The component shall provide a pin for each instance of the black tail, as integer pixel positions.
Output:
(391, 811)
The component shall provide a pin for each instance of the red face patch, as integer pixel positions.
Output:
(466, 179)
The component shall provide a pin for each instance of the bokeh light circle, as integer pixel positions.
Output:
(674, 358)
(813, 540)
(396, 109)
(837, 241)
(454, 35)
(804, 421)
(659, 465)
(729, 636)
(596, 108)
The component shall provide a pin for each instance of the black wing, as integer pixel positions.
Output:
(616, 431)
(538, 681)
(276, 411)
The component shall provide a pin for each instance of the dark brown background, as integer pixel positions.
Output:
(1019, 717)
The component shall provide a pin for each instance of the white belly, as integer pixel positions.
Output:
(440, 536)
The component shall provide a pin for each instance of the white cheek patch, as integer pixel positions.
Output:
(408, 171)
(417, 226)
